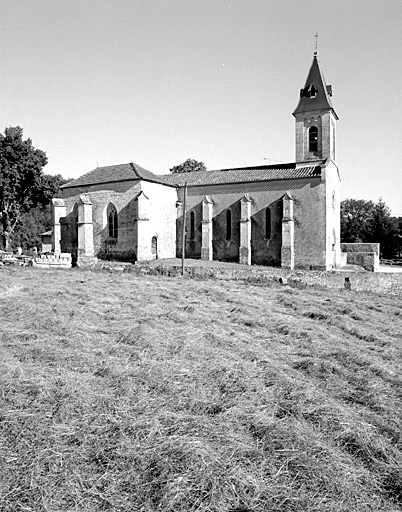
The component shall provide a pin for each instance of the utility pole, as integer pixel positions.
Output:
(183, 247)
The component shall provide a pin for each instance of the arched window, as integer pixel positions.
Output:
(313, 139)
(112, 222)
(192, 225)
(228, 225)
(268, 223)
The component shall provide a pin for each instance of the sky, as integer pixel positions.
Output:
(102, 82)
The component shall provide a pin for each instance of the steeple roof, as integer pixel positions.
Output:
(315, 95)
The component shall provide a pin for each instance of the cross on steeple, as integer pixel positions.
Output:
(316, 44)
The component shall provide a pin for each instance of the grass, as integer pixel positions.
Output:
(122, 392)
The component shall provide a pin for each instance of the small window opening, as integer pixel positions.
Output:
(228, 225)
(192, 225)
(112, 221)
(268, 223)
(313, 139)
(309, 92)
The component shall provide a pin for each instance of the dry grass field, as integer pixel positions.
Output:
(122, 392)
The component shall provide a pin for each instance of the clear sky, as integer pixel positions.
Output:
(100, 82)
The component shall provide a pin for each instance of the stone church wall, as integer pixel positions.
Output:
(123, 196)
(309, 224)
(145, 211)
(156, 221)
(309, 221)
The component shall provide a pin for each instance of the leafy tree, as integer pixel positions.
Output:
(51, 187)
(356, 215)
(22, 182)
(31, 225)
(367, 222)
(382, 229)
(189, 165)
(38, 220)
(398, 236)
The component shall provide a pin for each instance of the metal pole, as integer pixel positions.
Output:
(183, 247)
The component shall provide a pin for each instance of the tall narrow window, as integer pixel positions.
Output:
(268, 223)
(112, 222)
(192, 225)
(313, 139)
(228, 225)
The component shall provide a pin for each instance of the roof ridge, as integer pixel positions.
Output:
(281, 166)
(136, 170)
(107, 166)
(114, 173)
(290, 165)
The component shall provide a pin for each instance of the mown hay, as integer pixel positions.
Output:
(128, 392)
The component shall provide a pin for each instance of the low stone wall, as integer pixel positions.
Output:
(365, 255)
(360, 247)
(62, 260)
(359, 281)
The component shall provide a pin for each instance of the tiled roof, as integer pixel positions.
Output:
(112, 173)
(244, 175)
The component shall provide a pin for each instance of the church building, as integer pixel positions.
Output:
(282, 215)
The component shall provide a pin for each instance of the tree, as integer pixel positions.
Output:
(31, 225)
(398, 236)
(367, 222)
(382, 229)
(356, 215)
(51, 187)
(38, 220)
(189, 165)
(22, 182)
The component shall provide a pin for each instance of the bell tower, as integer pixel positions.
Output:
(315, 118)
